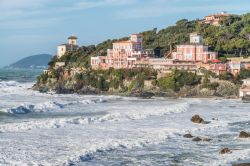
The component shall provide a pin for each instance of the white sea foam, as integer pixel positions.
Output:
(115, 115)
(96, 123)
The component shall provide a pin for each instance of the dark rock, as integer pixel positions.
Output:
(145, 95)
(188, 136)
(244, 134)
(43, 89)
(246, 99)
(88, 90)
(197, 139)
(197, 119)
(86, 158)
(225, 151)
(63, 90)
(242, 164)
(207, 139)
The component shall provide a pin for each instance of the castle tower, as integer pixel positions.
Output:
(72, 40)
(71, 46)
(196, 38)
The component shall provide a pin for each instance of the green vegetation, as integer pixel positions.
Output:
(244, 74)
(178, 79)
(105, 80)
(208, 85)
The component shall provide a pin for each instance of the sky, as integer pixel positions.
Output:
(30, 27)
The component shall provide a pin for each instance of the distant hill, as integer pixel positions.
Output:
(35, 61)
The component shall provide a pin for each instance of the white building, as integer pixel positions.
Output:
(196, 38)
(70, 46)
(245, 89)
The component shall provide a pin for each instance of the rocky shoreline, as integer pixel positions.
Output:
(186, 92)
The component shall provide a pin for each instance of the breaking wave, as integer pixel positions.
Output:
(49, 106)
(115, 115)
(6, 84)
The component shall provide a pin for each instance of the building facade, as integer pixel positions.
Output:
(124, 54)
(195, 51)
(70, 46)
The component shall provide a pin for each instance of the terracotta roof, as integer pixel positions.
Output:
(123, 42)
(72, 37)
(216, 61)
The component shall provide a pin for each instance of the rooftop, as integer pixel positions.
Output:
(72, 37)
(222, 14)
(66, 44)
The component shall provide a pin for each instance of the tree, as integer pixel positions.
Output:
(167, 83)
(246, 33)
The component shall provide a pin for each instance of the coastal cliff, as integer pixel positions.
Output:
(72, 73)
(140, 82)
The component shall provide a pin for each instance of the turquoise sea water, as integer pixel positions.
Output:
(19, 75)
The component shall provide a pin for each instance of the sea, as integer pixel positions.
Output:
(48, 129)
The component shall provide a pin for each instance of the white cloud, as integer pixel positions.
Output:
(161, 8)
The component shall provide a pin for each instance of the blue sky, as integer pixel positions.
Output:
(29, 27)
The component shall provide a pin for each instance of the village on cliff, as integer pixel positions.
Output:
(193, 56)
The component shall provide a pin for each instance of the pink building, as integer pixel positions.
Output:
(195, 51)
(123, 55)
(218, 68)
(234, 67)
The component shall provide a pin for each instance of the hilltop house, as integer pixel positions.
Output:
(214, 19)
(70, 46)
(124, 54)
(195, 51)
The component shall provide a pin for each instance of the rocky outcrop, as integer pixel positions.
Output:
(197, 139)
(188, 136)
(244, 134)
(246, 99)
(145, 95)
(227, 88)
(197, 119)
(225, 151)
(207, 139)
(206, 92)
(88, 90)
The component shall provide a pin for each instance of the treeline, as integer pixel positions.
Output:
(230, 39)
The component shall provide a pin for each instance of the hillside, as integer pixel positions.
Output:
(35, 61)
(231, 39)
